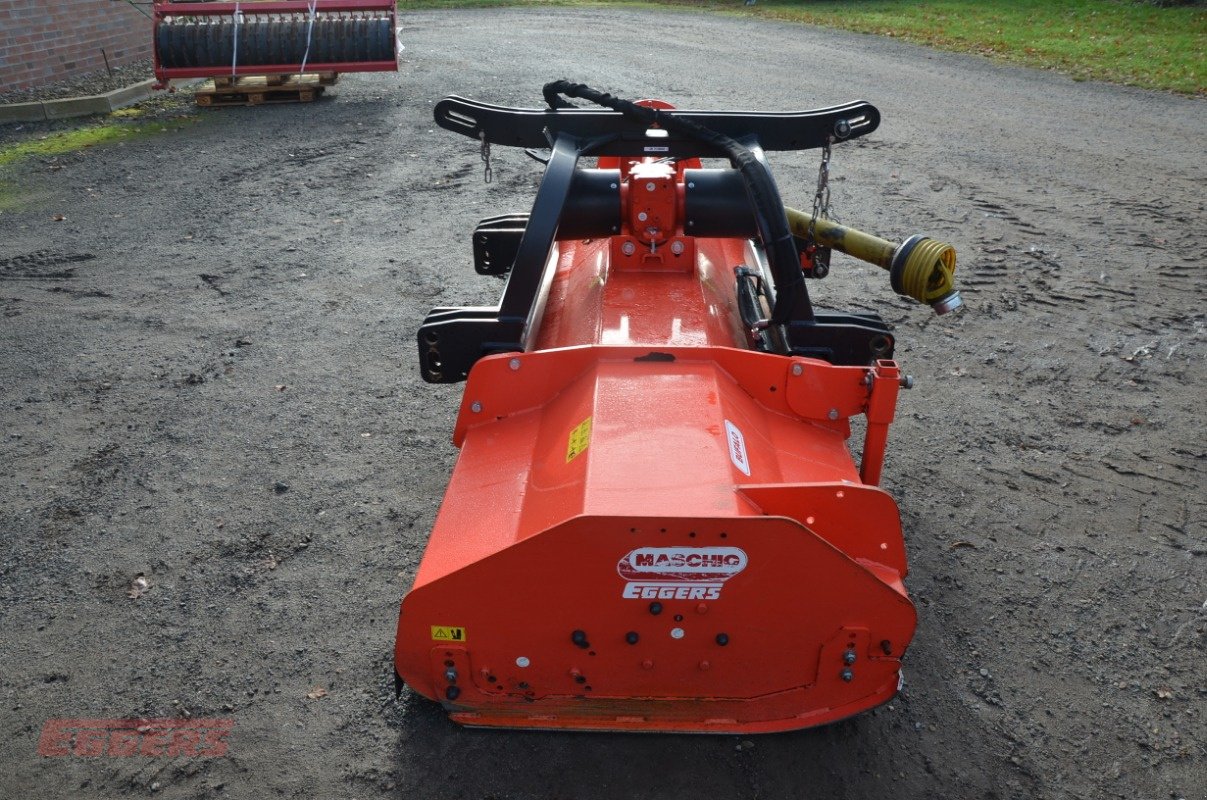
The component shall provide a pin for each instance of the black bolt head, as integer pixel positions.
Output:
(452, 692)
(722, 639)
(655, 608)
(631, 637)
(580, 639)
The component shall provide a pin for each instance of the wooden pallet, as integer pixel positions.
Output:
(254, 90)
(310, 78)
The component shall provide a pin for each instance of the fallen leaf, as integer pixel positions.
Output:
(316, 693)
(138, 587)
(961, 543)
(59, 218)
(1164, 692)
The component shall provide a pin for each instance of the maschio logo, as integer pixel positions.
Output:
(169, 738)
(679, 573)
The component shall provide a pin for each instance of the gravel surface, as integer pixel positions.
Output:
(209, 380)
(83, 85)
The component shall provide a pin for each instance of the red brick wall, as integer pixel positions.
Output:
(46, 41)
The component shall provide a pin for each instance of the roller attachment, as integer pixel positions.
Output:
(266, 41)
(205, 39)
(920, 267)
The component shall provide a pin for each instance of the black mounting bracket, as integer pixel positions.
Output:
(496, 243)
(523, 247)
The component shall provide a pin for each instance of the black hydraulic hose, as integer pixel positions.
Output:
(792, 299)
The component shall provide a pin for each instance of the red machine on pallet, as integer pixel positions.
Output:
(273, 37)
(655, 523)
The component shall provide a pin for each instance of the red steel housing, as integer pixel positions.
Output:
(651, 526)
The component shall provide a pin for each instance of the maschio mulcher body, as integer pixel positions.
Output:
(655, 523)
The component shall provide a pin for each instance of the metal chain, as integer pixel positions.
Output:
(489, 175)
(821, 199)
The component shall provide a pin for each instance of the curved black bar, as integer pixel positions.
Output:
(534, 127)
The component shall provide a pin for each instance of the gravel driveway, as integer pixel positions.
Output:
(208, 379)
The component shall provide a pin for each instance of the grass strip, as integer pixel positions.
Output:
(54, 144)
(1120, 41)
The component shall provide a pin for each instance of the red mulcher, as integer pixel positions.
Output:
(655, 523)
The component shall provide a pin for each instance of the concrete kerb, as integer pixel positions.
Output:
(78, 106)
(22, 112)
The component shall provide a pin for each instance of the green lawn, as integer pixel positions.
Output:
(1122, 41)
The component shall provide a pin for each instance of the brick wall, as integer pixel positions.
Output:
(46, 41)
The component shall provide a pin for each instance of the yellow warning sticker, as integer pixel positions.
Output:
(448, 633)
(580, 439)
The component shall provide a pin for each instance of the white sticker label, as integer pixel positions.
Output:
(737, 448)
(679, 573)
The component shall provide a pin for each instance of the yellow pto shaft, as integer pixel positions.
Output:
(919, 267)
